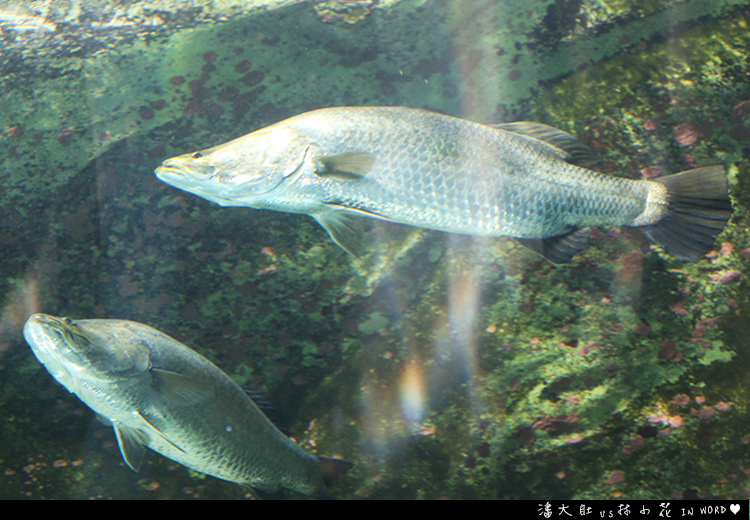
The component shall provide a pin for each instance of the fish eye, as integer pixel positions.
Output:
(197, 155)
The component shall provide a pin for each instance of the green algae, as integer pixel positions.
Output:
(536, 380)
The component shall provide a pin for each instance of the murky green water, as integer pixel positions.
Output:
(440, 365)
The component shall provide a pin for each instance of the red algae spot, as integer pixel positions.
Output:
(159, 104)
(722, 406)
(60, 463)
(678, 309)
(146, 112)
(689, 160)
(656, 418)
(685, 134)
(575, 438)
(668, 350)
(65, 136)
(515, 75)
(426, 430)
(637, 440)
(726, 276)
(471, 60)
(675, 421)
(176, 80)
(483, 450)
(267, 271)
(726, 248)
(706, 413)
(128, 289)
(700, 399)
(252, 78)
(243, 66)
(650, 124)
(210, 56)
(228, 94)
(681, 400)
(592, 345)
(651, 171)
(642, 329)
(525, 435)
(15, 131)
(213, 110)
(741, 111)
(192, 107)
(616, 477)
(198, 89)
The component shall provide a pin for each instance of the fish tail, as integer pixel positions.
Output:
(698, 207)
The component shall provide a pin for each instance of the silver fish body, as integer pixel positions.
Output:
(157, 392)
(439, 172)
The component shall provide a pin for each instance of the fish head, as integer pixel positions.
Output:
(76, 351)
(242, 171)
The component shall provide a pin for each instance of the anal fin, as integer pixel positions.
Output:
(132, 443)
(559, 249)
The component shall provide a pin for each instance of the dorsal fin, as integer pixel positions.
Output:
(265, 406)
(567, 146)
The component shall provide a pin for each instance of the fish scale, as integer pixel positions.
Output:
(156, 392)
(415, 167)
(463, 177)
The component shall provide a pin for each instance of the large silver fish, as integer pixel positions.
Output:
(157, 392)
(523, 180)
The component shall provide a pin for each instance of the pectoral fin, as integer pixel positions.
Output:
(349, 166)
(178, 388)
(559, 249)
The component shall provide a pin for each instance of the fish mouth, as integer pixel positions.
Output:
(40, 334)
(170, 174)
(176, 176)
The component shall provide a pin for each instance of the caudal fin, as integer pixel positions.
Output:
(698, 208)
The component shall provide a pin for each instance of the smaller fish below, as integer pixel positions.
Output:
(158, 393)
